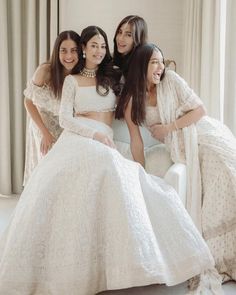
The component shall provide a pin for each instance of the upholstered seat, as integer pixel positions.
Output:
(157, 158)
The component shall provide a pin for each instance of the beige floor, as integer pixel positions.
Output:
(7, 206)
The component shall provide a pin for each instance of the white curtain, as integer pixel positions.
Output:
(230, 66)
(209, 56)
(26, 30)
(202, 51)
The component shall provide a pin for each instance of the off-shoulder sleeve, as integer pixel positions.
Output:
(187, 98)
(66, 113)
(42, 97)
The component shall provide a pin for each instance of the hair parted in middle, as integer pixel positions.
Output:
(136, 84)
(56, 68)
(106, 76)
(140, 36)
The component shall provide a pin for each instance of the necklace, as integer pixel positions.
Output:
(88, 73)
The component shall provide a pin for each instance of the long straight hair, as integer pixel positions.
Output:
(57, 75)
(136, 84)
(140, 36)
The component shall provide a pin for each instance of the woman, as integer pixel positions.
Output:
(43, 96)
(131, 32)
(90, 220)
(175, 114)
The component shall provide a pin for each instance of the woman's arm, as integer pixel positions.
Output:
(47, 138)
(160, 131)
(69, 122)
(136, 142)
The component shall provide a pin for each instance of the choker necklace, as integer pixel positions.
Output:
(88, 73)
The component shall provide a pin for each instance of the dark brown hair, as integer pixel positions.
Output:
(140, 35)
(57, 75)
(136, 84)
(106, 76)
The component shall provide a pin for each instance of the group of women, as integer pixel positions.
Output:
(90, 220)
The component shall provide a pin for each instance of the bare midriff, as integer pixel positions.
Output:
(104, 117)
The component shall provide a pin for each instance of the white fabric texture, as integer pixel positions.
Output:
(90, 220)
(48, 106)
(70, 105)
(209, 61)
(217, 162)
(202, 51)
(174, 99)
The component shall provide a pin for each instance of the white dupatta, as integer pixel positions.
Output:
(175, 98)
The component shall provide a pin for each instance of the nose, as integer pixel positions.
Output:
(68, 54)
(120, 37)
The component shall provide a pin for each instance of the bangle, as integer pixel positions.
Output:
(176, 127)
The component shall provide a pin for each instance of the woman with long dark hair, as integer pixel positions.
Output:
(174, 114)
(131, 32)
(43, 97)
(90, 220)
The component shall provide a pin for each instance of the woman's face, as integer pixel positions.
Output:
(95, 51)
(124, 39)
(155, 67)
(68, 54)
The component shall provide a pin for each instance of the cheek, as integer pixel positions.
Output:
(61, 58)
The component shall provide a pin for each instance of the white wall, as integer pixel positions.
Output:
(164, 19)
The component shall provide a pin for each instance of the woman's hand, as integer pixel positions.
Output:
(103, 138)
(46, 143)
(159, 131)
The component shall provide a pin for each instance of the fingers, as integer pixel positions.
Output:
(109, 142)
(45, 147)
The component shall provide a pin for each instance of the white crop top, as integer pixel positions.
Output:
(80, 100)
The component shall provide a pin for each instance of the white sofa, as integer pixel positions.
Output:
(157, 158)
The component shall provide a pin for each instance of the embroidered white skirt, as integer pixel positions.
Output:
(90, 220)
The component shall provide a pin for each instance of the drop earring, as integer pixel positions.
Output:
(84, 55)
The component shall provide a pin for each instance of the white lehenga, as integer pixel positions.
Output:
(211, 147)
(48, 106)
(90, 220)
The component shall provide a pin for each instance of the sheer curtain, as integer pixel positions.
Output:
(210, 60)
(26, 28)
(202, 51)
(230, 67)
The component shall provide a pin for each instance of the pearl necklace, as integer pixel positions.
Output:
(88, 73)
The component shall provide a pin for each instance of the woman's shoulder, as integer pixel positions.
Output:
(170, 74)
(172, 77)
(42, 74)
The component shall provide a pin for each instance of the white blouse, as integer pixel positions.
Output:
(81, 100)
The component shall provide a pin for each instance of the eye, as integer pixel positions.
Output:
(62, 50)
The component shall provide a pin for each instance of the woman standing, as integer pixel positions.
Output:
(175, 115)
(43, 97)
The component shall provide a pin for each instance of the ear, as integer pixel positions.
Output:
(83, 47)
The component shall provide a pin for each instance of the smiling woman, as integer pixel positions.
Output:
(42, 99)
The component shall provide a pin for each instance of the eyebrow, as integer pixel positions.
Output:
(126, 31)
(154, 58)
(97, 43)
(71, 48)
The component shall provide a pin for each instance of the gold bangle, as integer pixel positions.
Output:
(176, 127)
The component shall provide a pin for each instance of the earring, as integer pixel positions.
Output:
(84, 55)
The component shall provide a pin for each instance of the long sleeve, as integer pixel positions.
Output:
(66, 113)
(187, 98)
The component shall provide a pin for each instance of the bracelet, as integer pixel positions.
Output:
(176, 127)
